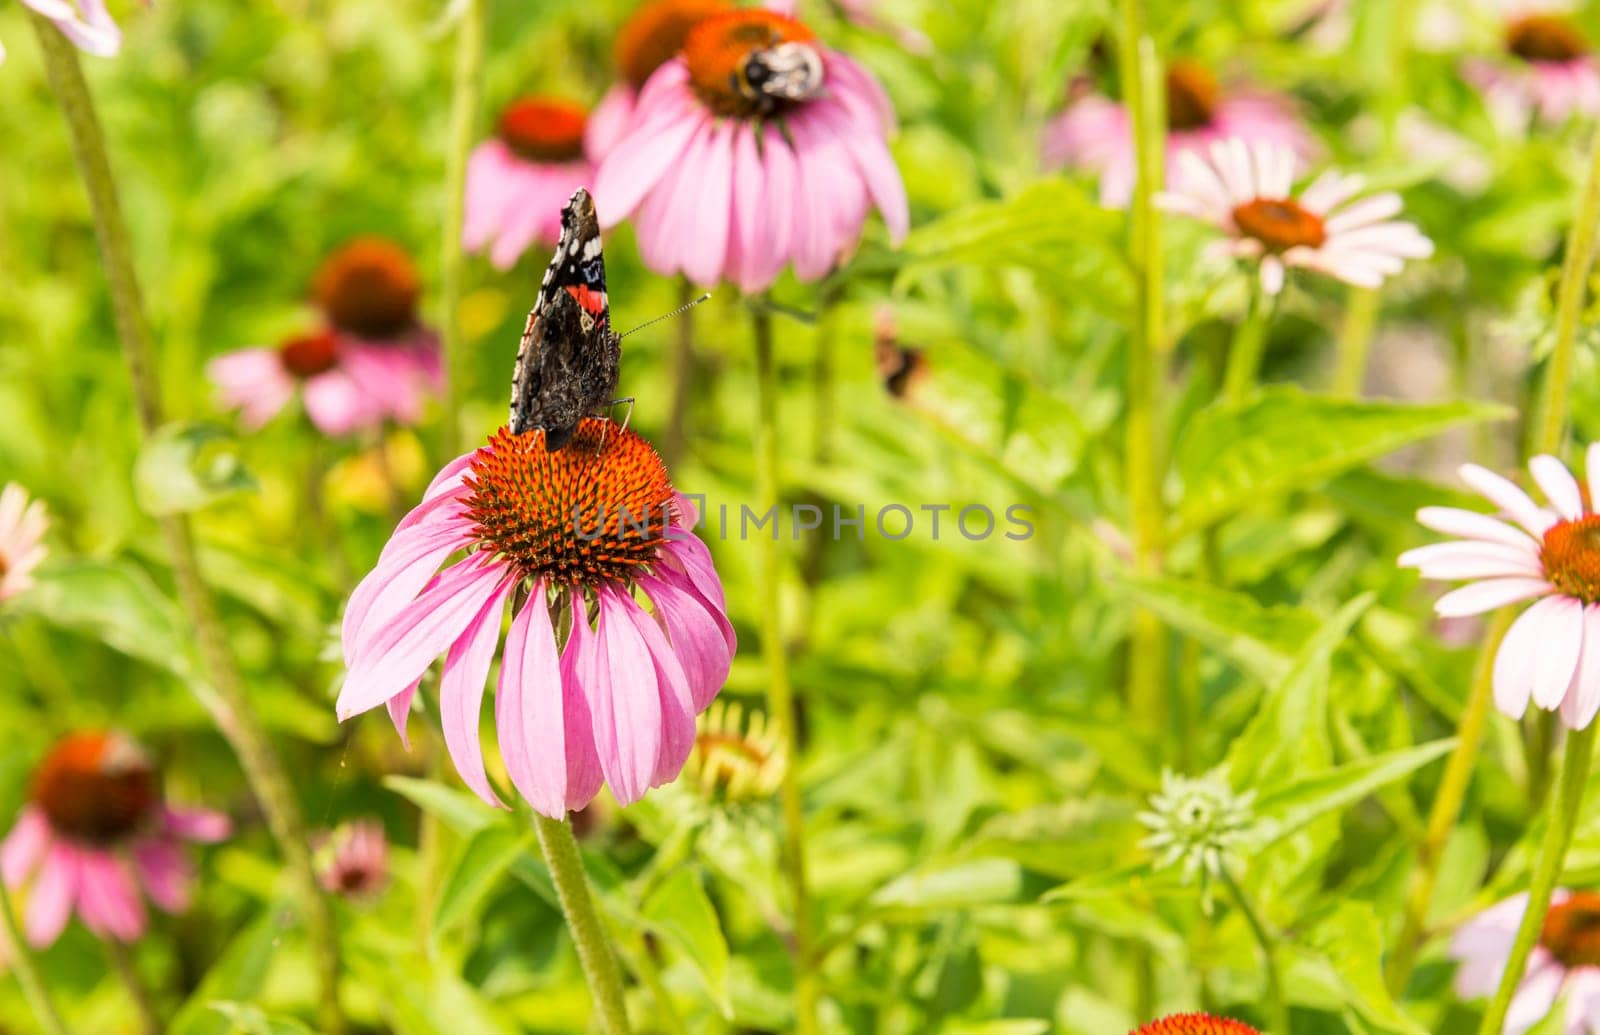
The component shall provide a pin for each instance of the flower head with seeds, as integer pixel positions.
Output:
(1198, 822)
(652, 35)
(86, 23)
(1565, 964)
(755, 149)
(1247, 192)
(96, 837)
(1195, 1024)
(592, 686)
(1546, 69)
(353, 860)
(22, 527)
(1094, 132)
(736, 753)
(518, 179)
(1548, 554)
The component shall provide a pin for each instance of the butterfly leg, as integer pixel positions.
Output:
(606, 426)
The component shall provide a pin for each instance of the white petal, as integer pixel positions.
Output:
(1489, 595)
(1470, 524)
(1505, 495)
(1558, 485)
(1560, 642)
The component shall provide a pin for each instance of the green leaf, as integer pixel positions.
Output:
(116, 603)
(185, 467)
(680, 912)
(980, 882)
(462, 812)
(1343, 957)
(482, 862)
(1262, 641)
(1283, 440)
(252, 1020)
(236, 976)
(1289, 807)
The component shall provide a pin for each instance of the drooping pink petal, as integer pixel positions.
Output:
(578, 661)
(54, 892)
(624, 703)
(108, 898)
(165, 873)
(405, 567)
(205, 826)
(528, 712)
(677, 703)
(399, 707)
(1537, 993)
(696, 636)
(466, 672)
(639, 160)
(24, 847)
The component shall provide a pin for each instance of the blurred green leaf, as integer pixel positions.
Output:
(252, 1020)
(236, 976)
(185, 467)
(1343, 956)
(1283, 440)
(963, 885)
(461, 811)
(1286, 808)
(679, 911)
(483, 860)
(1262, 641)
(116, 603)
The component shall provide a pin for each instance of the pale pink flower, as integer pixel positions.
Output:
(518, 179)
(96, 838)
(755, 149)
(22, 528)
(1248, 193)
(1565, 963)
(353, 860)
(86, 23)
(1547, 70)
(1094, 132)
(652, 36)
(334, 380)
(1551, 654)
(567, 539)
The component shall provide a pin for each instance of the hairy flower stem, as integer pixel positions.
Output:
(1277, 1004)
(1546, 870)
(466, 92)
(229, 705)
(780, 693)
(1147, 649)
(1551, 428)
(1355, 342)
(588, 934)
(20, 962)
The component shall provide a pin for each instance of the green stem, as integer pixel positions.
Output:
(1277, 1005)
(1570, 294)
(1249, 343)
(577, 904)
(1141, 72)
(20, 962)
(1355, 342)
(680, 378)
(780, 693)
(1546, 870)
(642, 962)
(229, 705)
(128, 974)
(1446, 808)
(465, 101)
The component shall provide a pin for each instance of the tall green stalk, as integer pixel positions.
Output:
(780, 692)
(1355, 341)
(1143, 93)
(466, 95)
(230, 705)
(583, 921)
(1243, 370)
(1277, 1003)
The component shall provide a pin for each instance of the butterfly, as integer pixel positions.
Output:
(567, 360)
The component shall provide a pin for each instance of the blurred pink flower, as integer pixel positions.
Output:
(22, 528)
(86, 23)
(1094, 132)
(518, 180)
(652, 36)
(335, 380)
(1551, 654)
(754, 149)
(354, 860)
(567, 537)
(96, 837)
(1547, 71)
(1565, 963)
(1247, 192)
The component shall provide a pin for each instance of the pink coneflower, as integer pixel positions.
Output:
(754, 149)
(518, 179)
(652, 36)
(567, 538)
(331, 378)
(1195, 1024)
(1094, 132)
(97, 837)
(1547, 70)
(86, 23)
(353, 860)
(1565, 963)
(22, 528)
(1551, 654)
(368, 291)
(1247, 193)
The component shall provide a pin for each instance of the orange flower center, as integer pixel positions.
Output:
(1571, 931)
(1196, 1024)
(718, 52)
(309, 354)
(1545, 37)
(96, 787)
(588, 513)
(542, 129)
(1280, 224)
(1571, 557)
(1192, 96)
(655, 33)
(369, 288)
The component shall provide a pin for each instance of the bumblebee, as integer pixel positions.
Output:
(786, 73)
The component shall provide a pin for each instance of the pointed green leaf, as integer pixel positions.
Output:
(116, 603)
(679, 911)
(483, 860)
(460, 811)
(1261, 641)
(184, 467)
(1284, 809)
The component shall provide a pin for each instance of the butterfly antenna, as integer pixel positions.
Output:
(667, 316)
